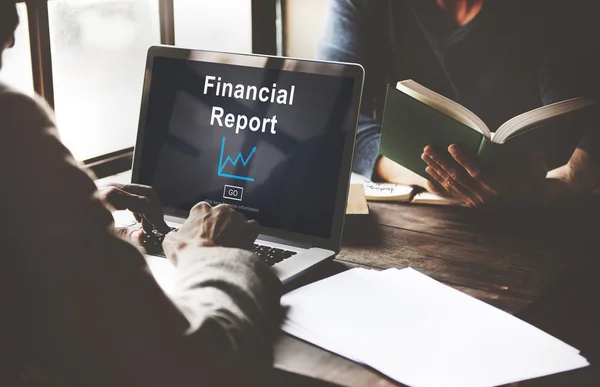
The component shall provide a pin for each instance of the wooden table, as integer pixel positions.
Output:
(522, 262)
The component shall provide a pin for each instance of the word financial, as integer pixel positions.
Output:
(250, 93)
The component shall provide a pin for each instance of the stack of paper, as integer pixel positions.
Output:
(421, 332)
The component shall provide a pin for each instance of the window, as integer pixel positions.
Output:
(16, 68)
(98, 59)
(86, 58)
(304, 24)
(224, 25)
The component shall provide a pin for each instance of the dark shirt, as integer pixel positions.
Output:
(514, 56)
(80, 304)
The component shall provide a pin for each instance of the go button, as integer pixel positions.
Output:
(233, 193)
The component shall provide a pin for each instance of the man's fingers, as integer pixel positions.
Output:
(161, 225)
(460, 185)
(449, 174)
(432, 188)
(122, 200)
(133, 233)
(444, 165)
(138, 217)
(140, 190)
(450, 188)
(149, 226)
(145, 209)
(240, 217)
(153, 213)
(466, 161)
(470, 164)
(201, 207)
(154, 217)
(465, 171)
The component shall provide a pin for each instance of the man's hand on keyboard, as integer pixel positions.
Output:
(142, 201)
(208, 227)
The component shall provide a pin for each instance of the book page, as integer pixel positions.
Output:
(443, 105)
(431, 198)
(535, 117)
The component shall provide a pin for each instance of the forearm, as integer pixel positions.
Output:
(105, 320)
(217, 325)
(240, 294)
(104, 314)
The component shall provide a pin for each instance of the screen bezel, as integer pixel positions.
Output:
(281, 63)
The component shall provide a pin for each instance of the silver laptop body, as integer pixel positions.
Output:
(273, 137)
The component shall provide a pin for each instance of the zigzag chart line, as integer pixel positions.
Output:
(240, 157)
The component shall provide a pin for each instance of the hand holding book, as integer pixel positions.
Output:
(461, 175)
(467, 158)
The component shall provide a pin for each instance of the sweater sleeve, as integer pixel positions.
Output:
(354, 34)
(99, 318)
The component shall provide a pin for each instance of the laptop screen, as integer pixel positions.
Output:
(267, 141)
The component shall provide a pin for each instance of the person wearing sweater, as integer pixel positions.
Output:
(79, 305)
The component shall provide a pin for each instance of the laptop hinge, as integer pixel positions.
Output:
(268, 238)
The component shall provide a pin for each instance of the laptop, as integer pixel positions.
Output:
(272, 137)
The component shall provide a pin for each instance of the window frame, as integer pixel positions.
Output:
(266, 39)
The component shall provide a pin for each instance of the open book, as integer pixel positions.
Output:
(416, 116)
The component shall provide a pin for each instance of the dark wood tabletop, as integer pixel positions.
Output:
(539, 264)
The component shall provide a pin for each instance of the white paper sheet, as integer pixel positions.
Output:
(421, 332)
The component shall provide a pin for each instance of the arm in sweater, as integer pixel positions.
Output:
(99, 318)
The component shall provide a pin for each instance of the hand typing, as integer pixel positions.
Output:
(212, 226)
(143, 202)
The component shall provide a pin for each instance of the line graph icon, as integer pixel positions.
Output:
(233, 162)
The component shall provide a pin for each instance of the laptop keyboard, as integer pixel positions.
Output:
(152, 242)
(272, 255)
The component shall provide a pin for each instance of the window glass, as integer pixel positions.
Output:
(304, 26)
(224, 25)
(99, 52)
(16, 68)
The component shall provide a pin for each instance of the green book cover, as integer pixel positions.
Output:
(409, 125)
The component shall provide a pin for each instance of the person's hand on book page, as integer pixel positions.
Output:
(461, 175)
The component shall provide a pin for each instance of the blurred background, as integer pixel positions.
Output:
(89, 56)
